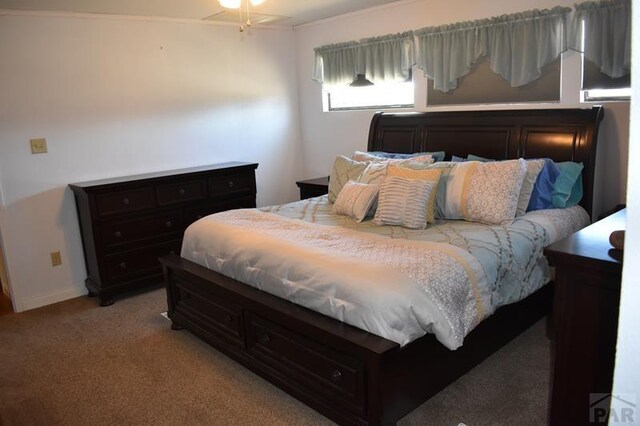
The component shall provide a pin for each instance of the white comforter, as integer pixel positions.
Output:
(397, 288)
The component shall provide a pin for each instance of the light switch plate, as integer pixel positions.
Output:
(38, 146)
(56, 258)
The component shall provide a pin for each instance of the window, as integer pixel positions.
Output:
(597, 86)
(370, 96)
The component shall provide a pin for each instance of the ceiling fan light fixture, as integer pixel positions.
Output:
(230, 4)
(256, 2)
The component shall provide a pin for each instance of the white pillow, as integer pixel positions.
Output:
(355, 200)
(496, 186)
(403, 202)
(344, 170)
(534, 167)
(491, 190)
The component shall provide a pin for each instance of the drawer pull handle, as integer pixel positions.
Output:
(118, 234)
(168, 224)
(230, 184)
(228, 319)
(181, 192)
(123, 265)
(336, 376)
(265, 339)
(125, 201)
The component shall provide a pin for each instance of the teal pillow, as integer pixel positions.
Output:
(567, 189)
(472, 157)
(437, 155)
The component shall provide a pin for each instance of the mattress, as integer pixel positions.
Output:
(391, 281)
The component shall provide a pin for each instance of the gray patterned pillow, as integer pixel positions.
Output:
(491, 191)
(344, 170)
(355, 200)
(403, 202)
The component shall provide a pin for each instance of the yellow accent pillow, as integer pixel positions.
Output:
(430, 175)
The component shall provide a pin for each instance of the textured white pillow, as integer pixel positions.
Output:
(344, 170)
(534, 167)
(355, 200)
(491, 190)
(403, 202)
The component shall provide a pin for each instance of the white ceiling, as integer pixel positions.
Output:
(298, 11)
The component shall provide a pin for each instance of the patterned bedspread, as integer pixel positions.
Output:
(391, 281)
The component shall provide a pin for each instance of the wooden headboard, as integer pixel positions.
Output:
(559, 134)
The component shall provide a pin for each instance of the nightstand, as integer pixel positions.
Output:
(585, 319)
(313, 187)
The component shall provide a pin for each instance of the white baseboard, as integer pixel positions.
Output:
(50, 298)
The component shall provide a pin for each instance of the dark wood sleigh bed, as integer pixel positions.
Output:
(349, 375)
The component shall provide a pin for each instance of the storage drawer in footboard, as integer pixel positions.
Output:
(208, 311)
(335, 377)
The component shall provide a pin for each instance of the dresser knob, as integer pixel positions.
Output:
(123, 265)
(265, 339)
(125, 201)
(336, 376)
(181, 192)
(228, 319)
(168, 224)
(118, 234)
(172, 252)
(230, 184)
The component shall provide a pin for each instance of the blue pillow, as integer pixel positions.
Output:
(456, 159)
(567, 189)
(544, 187)
(472, 157)
(437, 156)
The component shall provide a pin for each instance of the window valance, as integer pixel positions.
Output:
(517, 46)
(382, 59)
(336, 64)
(606, 26)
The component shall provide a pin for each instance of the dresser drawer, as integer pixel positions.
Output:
(193, 214)
(143, 261)
(120, 232)
(332, 375)
(232, 184)
(124, 201)
(223, 319)
(179, 192)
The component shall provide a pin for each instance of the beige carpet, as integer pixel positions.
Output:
(75, 363)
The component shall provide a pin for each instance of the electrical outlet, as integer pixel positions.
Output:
(38, 146)
(56, 258)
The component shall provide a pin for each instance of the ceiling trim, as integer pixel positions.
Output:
(137, 18)
(357, 13)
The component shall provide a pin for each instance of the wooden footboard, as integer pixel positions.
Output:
(349, 375)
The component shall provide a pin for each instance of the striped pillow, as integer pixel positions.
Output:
(430, 175)
(403, 202)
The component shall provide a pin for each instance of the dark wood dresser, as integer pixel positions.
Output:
(313, 187)
(128, 222)
(585, 318)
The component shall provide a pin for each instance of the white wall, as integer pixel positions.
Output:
(124, 96)
(627, 371)
(327, 134)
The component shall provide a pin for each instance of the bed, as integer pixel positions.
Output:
(350, 375)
